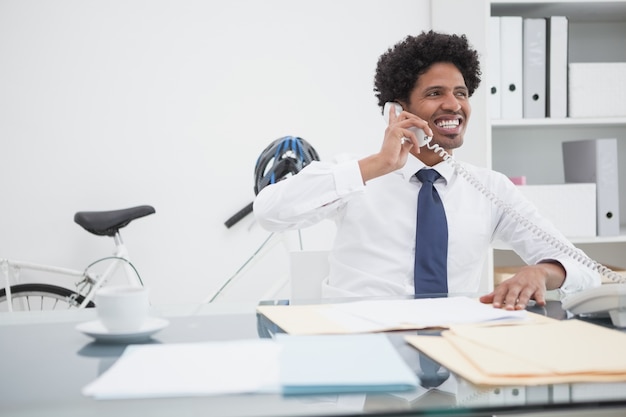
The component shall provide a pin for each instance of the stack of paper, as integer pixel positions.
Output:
(383, 315)
(288, 365)
(551, 352)
(189, 369)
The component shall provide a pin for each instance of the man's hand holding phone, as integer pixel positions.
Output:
(408, 121)
(404, 132)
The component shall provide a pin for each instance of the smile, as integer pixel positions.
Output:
(448, 124)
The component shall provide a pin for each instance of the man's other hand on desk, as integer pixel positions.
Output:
(530, 283)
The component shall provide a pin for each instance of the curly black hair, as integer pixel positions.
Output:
(399, 68)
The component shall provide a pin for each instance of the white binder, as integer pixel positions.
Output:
(557, 60)
(595, 160)
(607, 82)
(534, 70)
(511, 64)
(578, 220)
(493, 66)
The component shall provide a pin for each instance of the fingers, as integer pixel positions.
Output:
(511, 298)
(414, 122)
(517, 300)
(529, 283)
(514, 297)
(409, 139)
(408, 122)
(398, 139)
(392, 118)
(406, 138)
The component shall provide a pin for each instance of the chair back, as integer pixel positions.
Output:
(308, 268)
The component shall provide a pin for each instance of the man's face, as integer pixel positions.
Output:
(441, 98)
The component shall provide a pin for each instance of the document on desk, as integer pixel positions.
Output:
(189, 369)
(384, 315)
(550, 352)
(287, 365)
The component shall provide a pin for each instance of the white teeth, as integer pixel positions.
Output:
(447, 124)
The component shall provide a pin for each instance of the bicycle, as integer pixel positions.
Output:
(45, 296)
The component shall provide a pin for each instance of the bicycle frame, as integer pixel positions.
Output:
(11, 271)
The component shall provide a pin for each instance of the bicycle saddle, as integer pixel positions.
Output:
(108, 223)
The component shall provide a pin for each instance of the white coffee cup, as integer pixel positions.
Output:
(122, 309)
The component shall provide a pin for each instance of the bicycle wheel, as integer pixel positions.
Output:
(41, 297)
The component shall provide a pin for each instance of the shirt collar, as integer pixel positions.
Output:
(444, 168)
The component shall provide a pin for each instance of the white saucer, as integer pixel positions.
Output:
(97, 330)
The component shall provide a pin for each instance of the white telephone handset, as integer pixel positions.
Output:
(609, 298)
(422, 139)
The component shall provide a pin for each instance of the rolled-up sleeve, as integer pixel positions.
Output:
(315, 193)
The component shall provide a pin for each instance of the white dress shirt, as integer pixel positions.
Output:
(374, 249)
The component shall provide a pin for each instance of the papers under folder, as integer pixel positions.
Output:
(287, 365)
(550, 352)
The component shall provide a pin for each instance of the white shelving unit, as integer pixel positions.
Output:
(547, 122)
(532, 147)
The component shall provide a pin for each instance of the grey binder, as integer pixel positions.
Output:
(534, 72)
(595, 160)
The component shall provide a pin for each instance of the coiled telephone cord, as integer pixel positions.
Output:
(529, 225)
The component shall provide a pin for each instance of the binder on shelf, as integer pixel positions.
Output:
(511, 62)
(534, 68)
(493, 62)
(595, 160)
(557, 59)
(579, 220)
(590, 80)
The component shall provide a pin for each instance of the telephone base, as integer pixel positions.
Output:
(618, 317)
(607, 298)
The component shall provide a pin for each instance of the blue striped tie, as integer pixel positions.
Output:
(431, 238)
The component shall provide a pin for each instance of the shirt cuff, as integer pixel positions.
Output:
(576, 279)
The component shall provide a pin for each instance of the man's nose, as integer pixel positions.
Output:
(450, 102)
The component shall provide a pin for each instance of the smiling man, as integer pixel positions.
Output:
(374, 199)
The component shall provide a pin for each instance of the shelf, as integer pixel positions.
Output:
(577, 11)
(570, 122)
(581, 240)
(621, 238)
(555, 3)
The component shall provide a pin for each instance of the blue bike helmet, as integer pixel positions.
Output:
(283, 157)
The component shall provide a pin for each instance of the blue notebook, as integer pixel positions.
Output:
(342, 364)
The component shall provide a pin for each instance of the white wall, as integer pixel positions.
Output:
(109, 104)
(477, 146)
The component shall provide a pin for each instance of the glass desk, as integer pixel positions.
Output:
(45, 362)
